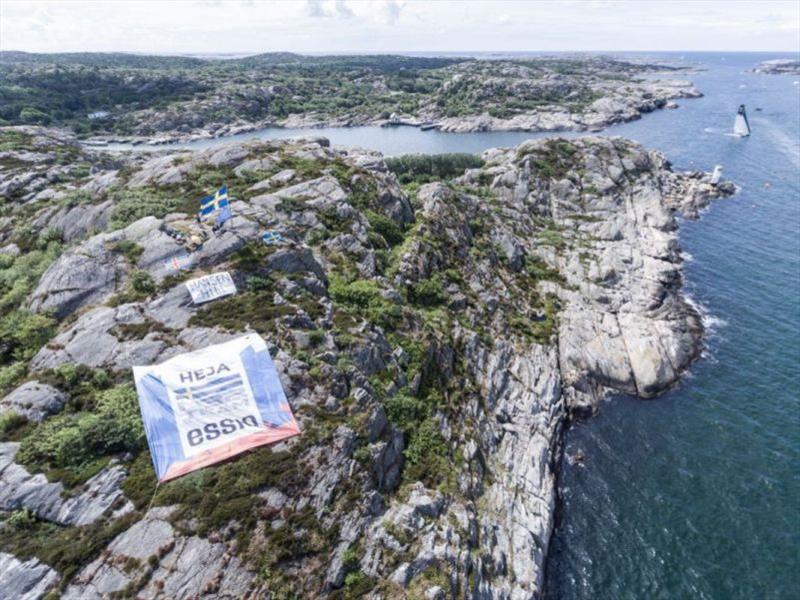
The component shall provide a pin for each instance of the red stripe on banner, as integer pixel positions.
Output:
(269, 435)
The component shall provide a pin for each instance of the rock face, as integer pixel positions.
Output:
(34, 401)
(28, 580)
(20, 489)
(433, 352)
(174, 566)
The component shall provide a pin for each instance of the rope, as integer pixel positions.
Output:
(149, 506)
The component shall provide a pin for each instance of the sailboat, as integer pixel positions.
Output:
(741, 128)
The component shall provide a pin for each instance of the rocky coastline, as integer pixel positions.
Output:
(618, 106)
(434, 341)
(778, 66)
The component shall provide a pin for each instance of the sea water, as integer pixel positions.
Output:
(696, 494)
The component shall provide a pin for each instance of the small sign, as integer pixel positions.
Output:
(211, 287)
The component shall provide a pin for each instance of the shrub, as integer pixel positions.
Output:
(383, 225)
(24, 518)
(427, 293)
(426, 454)
(361, 293)
(22, 333)
(142, 283)
(132, 204)
(11, 375)
(20, 274)
(10, 422)
(72, 440)
(429, 167)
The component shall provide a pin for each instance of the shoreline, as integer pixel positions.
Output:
(553, 287)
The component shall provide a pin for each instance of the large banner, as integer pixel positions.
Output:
(202, 407)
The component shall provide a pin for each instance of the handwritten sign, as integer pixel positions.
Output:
(211, 287)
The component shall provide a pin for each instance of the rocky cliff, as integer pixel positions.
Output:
(433, 342)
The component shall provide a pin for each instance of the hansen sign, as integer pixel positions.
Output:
(205, 406)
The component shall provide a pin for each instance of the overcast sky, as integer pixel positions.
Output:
(225, 26)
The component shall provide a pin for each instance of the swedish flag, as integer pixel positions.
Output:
(218, 201)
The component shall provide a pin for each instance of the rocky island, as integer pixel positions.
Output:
(163, 99)
(778, 66)
(434, 329)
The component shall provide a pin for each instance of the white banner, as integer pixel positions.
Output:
(205, 406)
(211, 287)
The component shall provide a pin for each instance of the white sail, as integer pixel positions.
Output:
(740, 126)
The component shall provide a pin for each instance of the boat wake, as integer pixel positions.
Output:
(787, 145)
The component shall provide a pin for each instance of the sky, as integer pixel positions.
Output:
(317, 26)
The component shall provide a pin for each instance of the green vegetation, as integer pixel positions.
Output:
(140, 286)
(64, 89)
(12, 424)
(73, 445)
(131, 204)
(556, 162)
(237, 313)
(65, 549)
(424, 168)
(428, 292)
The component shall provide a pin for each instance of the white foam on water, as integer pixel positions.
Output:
(686, 256)
(711, 323)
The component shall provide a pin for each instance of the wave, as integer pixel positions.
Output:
(711, 323)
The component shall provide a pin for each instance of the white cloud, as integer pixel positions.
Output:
(314, 9)
(342, 10)
(217, 26)
(391, 11)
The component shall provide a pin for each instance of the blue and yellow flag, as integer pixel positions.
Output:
(211, 204)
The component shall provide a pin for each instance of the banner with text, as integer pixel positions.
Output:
(205, 406)
(211, 287)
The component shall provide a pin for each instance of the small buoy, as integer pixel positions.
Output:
(767, 184)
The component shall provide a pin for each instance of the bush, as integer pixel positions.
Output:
(22, 519)
(361, 293)
(405, 411)
(11, 375)
(142, 283)
(22, 333)
(10, 422)
(427, 293)
(383, 225)
(20, 274)
(73, 440)
(426, 454)
(132, 204)
(429, 167)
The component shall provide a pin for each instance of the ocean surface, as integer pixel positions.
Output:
(695, 494)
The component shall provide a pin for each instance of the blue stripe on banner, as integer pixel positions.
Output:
(207, 200)
(211, 392)
(207, 210)
(199, 389)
